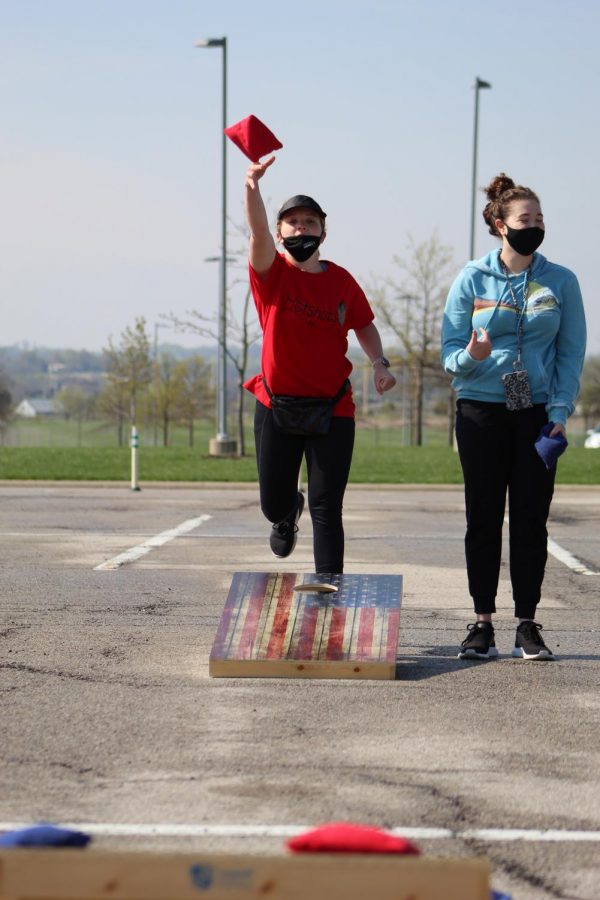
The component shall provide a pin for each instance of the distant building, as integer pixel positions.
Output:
(30, 409)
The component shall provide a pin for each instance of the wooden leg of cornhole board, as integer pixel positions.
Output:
(61, 874)
(308, 626)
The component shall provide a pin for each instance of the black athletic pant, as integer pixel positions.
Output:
(497, 454)
(328, 458)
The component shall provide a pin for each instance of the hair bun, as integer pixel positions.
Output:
(498, 186)
(501, 192)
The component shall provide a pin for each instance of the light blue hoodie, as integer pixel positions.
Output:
(554, 332)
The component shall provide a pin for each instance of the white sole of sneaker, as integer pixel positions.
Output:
(519, 653)
(473, 654)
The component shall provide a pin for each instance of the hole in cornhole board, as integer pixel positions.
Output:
(317, 587)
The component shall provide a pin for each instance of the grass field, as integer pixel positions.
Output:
(383, 462)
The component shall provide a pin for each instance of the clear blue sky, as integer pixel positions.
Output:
(110, 155)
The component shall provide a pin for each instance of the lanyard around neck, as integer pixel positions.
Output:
(520, 309)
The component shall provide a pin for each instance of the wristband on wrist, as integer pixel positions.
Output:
(381, 361)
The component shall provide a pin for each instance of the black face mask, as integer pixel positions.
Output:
(302, 246)
(524, 241)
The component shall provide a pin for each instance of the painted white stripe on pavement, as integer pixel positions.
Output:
(568, 559)
(526, 834)
(282, 831)
(157, 541)
(565, 557)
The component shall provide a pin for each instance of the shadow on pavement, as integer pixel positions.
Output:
(439, 660)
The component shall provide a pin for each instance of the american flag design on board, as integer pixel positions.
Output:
(267, 621)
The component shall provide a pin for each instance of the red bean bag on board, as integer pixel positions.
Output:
(345, 837)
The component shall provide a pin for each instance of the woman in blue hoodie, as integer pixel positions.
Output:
(513, 338)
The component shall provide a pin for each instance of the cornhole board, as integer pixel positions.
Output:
(269, 628)
(71, 874)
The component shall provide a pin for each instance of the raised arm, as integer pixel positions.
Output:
(261, 252)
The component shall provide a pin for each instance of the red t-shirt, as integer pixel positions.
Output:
(305, 318)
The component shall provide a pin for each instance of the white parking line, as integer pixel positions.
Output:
(157, 541)
(552, 835)
(565, 557)
(568, 559)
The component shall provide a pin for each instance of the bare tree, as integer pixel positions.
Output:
(78, 405)
(241, 330)
(194, 395)
(5, 398)
(164, 387)
(242, 333)
(412, 308)
(113, 405)
(129, 371)
(590, 391)
(6, 405)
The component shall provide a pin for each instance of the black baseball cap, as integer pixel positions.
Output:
(300, 200)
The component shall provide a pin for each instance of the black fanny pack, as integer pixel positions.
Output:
(303, 415)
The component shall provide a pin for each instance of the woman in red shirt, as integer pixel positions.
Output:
(306, 307)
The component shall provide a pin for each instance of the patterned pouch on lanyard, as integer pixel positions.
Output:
(517, 389)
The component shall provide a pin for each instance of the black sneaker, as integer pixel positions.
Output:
(479, 643)
(285, 534)
(529, 643)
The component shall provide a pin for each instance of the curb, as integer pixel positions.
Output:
(253, 485)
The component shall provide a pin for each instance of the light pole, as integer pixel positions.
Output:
(222, 444)
(479, 85)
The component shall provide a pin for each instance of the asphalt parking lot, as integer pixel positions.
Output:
(111, 722)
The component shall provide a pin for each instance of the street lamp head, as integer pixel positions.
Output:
(211, 42)
(479, 83)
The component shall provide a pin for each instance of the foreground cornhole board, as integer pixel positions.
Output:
(270, 629)
(61, 874)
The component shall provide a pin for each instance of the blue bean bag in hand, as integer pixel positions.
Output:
(550, 448)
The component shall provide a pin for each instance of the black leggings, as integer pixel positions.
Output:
(497, 454)
(328, 459)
